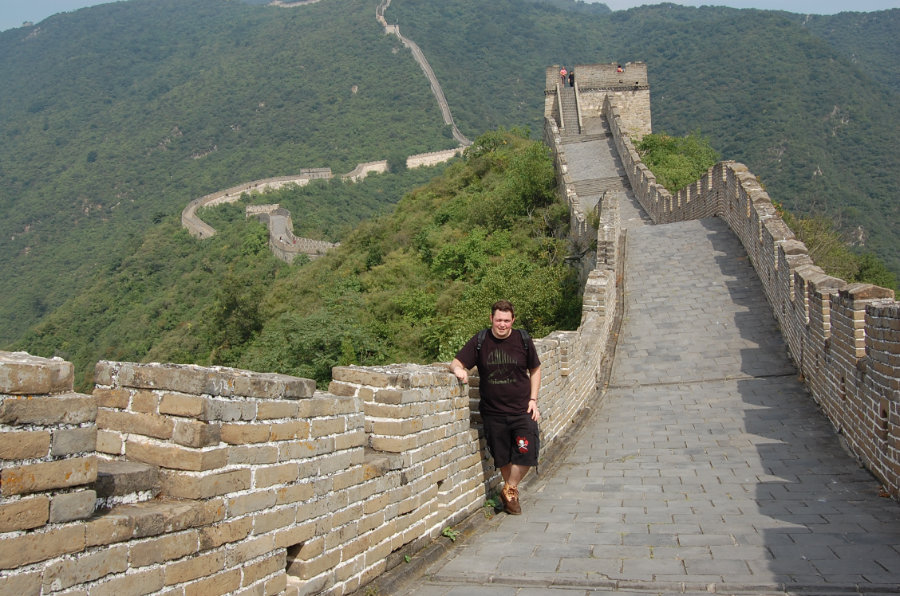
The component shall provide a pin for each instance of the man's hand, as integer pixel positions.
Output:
(457, 368)
(533, 410)
(535, 378)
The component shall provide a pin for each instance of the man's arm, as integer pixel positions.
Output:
(461, 372)
(535, 388)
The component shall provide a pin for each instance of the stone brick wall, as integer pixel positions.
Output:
(432, 158)
(364, 169)
(283, 243)
(579, 228)
(264, 485)
(288, 250)
(47, 452)
(844, 338)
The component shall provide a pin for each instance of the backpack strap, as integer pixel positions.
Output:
(481, 335)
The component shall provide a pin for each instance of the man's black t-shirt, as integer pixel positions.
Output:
(503, 366)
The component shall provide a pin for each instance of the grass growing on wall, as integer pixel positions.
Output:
(679, 161)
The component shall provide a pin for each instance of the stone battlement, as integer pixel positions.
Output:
(843, 337)
(597, 83)
(606, 77)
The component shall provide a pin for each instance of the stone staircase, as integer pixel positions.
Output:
(569, 108)
(597, 186)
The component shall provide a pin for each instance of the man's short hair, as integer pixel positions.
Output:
(505, 306)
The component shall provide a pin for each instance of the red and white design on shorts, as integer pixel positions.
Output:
(522, 444)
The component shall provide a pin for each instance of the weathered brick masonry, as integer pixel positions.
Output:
(265, 486)
(259, 484)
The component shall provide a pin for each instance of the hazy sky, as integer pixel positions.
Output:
(15, 12)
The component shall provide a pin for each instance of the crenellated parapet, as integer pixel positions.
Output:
(47, 448)
(843, 337)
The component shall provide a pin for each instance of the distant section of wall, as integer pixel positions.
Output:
(201, 229)
(843, 337)
(282, 241)
(364, 169)
(433, 158)
(581, 231)
(420, 58)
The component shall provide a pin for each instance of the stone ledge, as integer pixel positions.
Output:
(198, 380)
(116, 478)
(24, 373)
(152, 518)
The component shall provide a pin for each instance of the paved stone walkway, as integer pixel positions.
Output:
(707, 468)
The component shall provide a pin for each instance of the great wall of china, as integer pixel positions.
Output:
(181, 479)
(282, 241)
(284, 244)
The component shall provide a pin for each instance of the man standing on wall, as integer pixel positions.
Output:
(510, 378)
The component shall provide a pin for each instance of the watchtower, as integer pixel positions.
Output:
(625, 85)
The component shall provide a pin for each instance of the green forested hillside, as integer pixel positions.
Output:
(792, 98)
(408, 287)
(868, 40)
(113, 118)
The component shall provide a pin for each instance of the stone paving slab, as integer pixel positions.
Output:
(592, 160)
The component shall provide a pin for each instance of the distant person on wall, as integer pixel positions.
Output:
(572, 78)
(619, 68)
(562, 75)
(510, 378)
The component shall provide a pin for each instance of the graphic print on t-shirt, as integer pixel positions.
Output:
(501, 367)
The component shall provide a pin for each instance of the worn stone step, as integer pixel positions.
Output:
(598, 186)
(120, 481)
(581, 138)
(569, 111)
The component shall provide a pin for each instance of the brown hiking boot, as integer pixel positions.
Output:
(510, 497)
